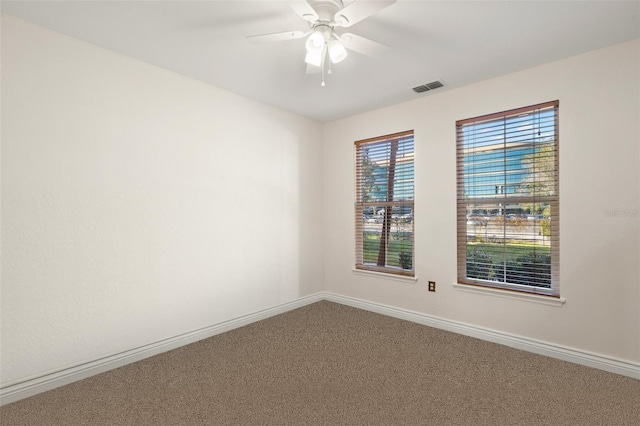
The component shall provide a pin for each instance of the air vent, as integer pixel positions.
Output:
(434, 85)
(429, 86)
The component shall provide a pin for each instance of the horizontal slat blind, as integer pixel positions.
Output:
(384, 184)
(508, 200)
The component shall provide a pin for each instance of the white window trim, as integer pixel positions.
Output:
(386, 276)
(515, 295)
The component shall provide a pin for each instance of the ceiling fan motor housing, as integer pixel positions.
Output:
(326, 9)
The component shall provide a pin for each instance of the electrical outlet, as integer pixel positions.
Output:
(432, 286)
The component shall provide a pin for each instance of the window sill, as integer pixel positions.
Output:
(527, 297)
(385, 276)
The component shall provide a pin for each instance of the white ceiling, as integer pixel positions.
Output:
(457, 42)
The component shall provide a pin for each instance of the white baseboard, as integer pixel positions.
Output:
(30, 386)
(564, 353)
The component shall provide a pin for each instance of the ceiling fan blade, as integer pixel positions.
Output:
(273, 37)
(312, 69)
(359, 10)
(362, 45)
(304, 10)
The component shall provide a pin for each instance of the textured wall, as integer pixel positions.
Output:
(138, 204)
(599, 172)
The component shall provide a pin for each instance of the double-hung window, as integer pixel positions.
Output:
(384, 204)
(507, 203)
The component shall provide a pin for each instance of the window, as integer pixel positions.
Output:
(507, 168)
(384, 204)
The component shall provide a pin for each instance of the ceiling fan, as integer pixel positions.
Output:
(324, 45)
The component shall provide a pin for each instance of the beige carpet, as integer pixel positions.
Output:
(336, 365)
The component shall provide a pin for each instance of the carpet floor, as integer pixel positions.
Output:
(329, 364)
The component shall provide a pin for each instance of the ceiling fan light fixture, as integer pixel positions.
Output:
(337, 52)
(314, 57)
(315, 42)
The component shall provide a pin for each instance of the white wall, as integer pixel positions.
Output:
(138, 204)
(599, 96)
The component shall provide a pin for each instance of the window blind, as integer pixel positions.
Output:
(508, 200)
(384, 216)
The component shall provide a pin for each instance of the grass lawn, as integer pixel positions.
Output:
(512, 252)
(397, 244)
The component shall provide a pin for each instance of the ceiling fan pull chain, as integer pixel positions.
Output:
(324, 56)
